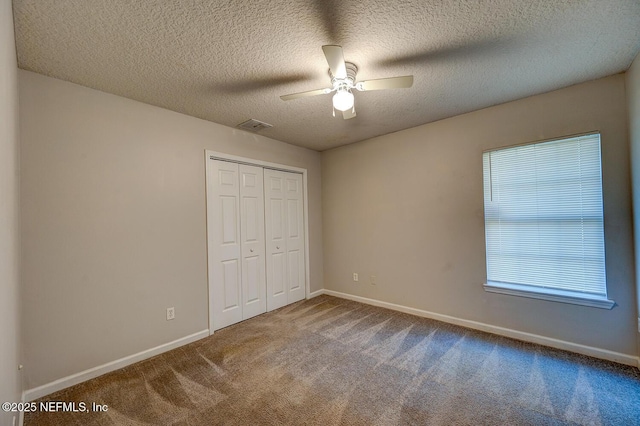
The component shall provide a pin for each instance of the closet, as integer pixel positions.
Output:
(256, 240)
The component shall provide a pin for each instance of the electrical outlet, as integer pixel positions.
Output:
(355, 276)
(372, 279)
(171, 313)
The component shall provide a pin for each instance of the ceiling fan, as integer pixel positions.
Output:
(343, 81)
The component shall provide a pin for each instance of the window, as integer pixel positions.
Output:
(544, 225)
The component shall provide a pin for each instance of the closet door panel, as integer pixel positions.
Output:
(295, 237)
(254, 290)
(278, 275)
(275, 218)
(293, 261)
(230, 285)
(224, 239)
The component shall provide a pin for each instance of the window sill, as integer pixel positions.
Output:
(549, 294)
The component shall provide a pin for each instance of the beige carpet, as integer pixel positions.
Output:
(328, 361)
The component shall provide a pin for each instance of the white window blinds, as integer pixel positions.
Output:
(543, 216)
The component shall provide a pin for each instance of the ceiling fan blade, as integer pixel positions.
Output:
(386, 83)
(350, 113)
(305, 94)
(335, 59)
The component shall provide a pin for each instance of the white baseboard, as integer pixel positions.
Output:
(507, 332)
(40, 391)
(315, 294)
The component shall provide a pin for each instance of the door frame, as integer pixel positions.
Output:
(216, 155)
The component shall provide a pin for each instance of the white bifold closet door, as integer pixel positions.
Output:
(237, 240)
(285, 245)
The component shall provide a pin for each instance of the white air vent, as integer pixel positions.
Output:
(254, 125)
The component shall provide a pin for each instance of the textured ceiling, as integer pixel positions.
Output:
(228, 61)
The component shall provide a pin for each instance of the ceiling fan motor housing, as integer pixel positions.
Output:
(349, 81)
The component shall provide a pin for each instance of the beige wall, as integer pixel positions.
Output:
(633, 101)
(10, 381)
(408, 208)
(114, 223)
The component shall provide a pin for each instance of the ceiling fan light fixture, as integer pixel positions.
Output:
(343, 100)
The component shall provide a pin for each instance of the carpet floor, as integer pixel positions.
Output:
(329, 361)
